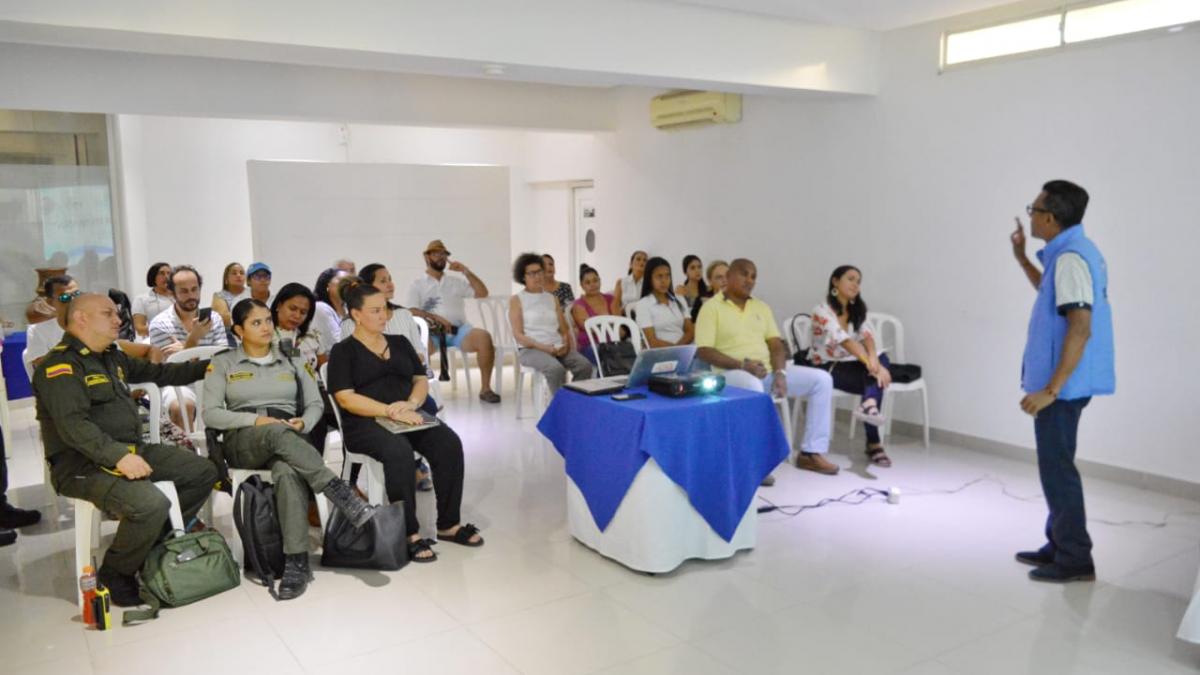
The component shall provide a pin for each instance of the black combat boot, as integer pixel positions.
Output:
(356, 510)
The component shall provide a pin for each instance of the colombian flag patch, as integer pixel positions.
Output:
(60, 369)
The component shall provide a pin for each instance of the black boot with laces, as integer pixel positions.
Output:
(296, 575)
(351, 505)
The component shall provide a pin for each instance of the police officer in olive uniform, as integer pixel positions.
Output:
(264, 400)
(92, 434)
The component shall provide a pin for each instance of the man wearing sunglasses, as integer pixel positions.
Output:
(1068, 360)
(40, 337)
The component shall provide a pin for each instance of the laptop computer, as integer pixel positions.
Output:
(649, 362)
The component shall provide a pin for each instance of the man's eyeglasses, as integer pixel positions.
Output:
(66, 297)
(1031, 209)
(535, 273)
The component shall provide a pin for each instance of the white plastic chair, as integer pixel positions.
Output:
(607, 328)
(435, 386)
(194, 431)
(495, 321)
(797, 333)
(87, 528)
(376, 490)
(539, 390)
(461, 360)
(881, 323)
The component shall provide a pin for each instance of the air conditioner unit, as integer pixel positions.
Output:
(683, 108)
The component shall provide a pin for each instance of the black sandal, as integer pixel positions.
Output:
(878, 457)
(419, 546)
(463, 536)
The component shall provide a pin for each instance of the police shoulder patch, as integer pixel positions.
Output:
(59, 370)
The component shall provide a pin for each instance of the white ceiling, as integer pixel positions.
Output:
(868, 14)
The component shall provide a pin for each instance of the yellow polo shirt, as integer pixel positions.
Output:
(741, 333)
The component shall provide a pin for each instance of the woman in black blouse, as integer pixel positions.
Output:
(373, 374)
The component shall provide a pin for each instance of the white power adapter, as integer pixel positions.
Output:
(893, 496)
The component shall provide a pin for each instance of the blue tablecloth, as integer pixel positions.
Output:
(718, 448)
(15, 378)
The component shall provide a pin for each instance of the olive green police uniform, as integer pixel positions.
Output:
(237, 391)
(89, 422)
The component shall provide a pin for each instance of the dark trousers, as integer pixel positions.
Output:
(1055, 428)
(439, 445)
(141, 508)
(852, 377)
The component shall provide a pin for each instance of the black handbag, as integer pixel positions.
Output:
(380, 544)
(616, 358)
(903, 373)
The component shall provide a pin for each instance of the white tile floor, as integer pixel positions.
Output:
(924, 587)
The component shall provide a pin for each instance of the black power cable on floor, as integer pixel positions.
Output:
(864, 495)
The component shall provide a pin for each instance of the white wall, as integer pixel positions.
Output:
(919, 187)
(182, 176)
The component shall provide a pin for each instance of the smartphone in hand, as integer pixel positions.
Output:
(204, 315)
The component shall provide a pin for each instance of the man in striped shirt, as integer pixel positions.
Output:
(179, 328)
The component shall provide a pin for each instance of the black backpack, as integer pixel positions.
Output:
(257, 524)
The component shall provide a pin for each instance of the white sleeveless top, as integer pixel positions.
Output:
(539, 312)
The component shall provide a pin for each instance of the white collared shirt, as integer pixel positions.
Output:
(444, 298)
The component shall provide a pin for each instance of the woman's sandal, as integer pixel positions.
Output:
(463, 536)
(869, 413)
(878, 457)
(418, 546)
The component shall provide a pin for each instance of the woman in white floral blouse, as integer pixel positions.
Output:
(843, 344)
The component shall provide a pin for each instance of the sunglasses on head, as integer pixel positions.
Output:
(66, 297)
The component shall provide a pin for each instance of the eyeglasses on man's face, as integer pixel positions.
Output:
(1031, 209)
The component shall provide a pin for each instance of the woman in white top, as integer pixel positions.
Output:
(629, 288)
(150, 305)
(693, 287)
(233, 290)
(844, 345)
(400, 320)
(330, 311)
(540, 328)
(662, 315)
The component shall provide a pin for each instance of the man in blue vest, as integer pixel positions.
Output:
(1068, 360)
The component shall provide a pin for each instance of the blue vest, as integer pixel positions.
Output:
(1095, 374)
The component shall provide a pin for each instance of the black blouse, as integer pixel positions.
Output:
(353, 366)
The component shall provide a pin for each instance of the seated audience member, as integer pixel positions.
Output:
(715, 274)
(40, 338)
(438, 298)
(541, 330)
(345, 265)
(154, 302)
(559, 289)
(373, 374)
(844, 345)
(343, 285)
(693, 286)
(329, 312)
(291, 313)
(233, 290)
(592, 303)
(400, 320)
(178, 328)
(737, 333)
(251, 394)
(93, 439)
(125, 311)
(629, 287)
(259, 275)
(661, 315)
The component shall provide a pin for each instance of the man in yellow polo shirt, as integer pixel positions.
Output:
(737, 334)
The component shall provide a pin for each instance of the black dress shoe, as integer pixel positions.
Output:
(7, 537)
(12, 518)
(122, 588)
(1035, 558)
(1057, 574)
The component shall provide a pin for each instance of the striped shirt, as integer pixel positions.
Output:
(167, 328)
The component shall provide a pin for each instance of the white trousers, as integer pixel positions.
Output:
(812, 384)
